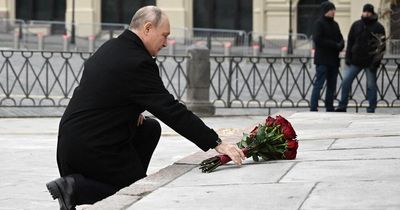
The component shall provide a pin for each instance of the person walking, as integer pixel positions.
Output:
(365, 49)
(104, 142)
(328, 42)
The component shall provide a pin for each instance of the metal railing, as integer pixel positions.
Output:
(286, 82)
(277, 44)
(47, 79)
(55, 35)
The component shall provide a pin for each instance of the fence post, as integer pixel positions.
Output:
(17, 40)
(198, 82)
(91, 39)
(209, 41)
(111, 34)
(171, 46)
(40, 38)
(256, 50)
(227, 48)
(66, 42)
(260, 43)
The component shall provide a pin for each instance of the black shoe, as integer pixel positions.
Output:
(63, 190)
(340, 110)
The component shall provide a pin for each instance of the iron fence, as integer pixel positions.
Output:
(286, 82)
(47, 79)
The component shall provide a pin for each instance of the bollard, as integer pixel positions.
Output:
(256, 49)
(111, 34)
(65, 42)
(260, 43)
(17, 40)
(91, 39)
(40, 38)
(209, 41)
(227, 48)
(171, 46)
(284, 51)
(312, 53)
(198, 81)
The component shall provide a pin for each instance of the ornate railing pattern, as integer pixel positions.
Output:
(47, 79)
(286, 82)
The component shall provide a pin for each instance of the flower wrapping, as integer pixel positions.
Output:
(273, 140)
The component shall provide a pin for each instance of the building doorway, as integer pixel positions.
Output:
(121, 11)
(223, 14)
(52, 10)
(307, 13)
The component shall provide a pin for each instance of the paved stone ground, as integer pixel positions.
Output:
(28, 149)
(345, 161)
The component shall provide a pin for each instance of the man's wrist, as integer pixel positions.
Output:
(219, 142)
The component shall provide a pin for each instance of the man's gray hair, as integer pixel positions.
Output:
(146, 14)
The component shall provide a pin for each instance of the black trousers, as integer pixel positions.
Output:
(89, 191)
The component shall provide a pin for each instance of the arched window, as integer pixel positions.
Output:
(223, 14)
(121, 11)
(53, 10)
(395, 21)
(307, 13)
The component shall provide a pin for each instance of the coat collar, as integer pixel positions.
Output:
(132, 37)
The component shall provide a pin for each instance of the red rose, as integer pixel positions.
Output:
(269, 121)
(255, 129)
(292, 144)
(290, 154)
(286, 127)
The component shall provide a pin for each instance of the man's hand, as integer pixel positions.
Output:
(140, 120)
(232, 151)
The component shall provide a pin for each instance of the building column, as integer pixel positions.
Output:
(277, 17)
(180, 13)
(87, 17)
(7, 9)
(259, 16)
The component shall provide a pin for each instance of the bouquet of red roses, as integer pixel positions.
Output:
(273, 140)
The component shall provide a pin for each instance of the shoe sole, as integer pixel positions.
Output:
(56, 194)
(53, 189)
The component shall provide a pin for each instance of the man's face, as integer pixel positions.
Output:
(157, 36)
(366, 14)
(330, 13)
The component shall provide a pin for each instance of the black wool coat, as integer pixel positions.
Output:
(119, 81)
(328, 41)
(374, 27)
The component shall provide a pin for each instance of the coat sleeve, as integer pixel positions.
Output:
(350, 43)
(148, 91)
(320, 40)
(341, 41)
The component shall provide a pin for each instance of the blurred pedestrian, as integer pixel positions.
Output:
(365, 50)
(328, 42)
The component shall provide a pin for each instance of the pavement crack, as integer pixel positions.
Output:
(308, 195)
(333, 142)
(283, 175)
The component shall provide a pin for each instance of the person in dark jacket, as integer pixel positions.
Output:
(365, 49)
(104, 142)
(328, 42)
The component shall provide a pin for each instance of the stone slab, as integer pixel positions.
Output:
(248, 173)
(342, 171)
(114, 202)
(367, 142)
(156, 180)
(227, 197)
(348, 154)
(357, 195)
